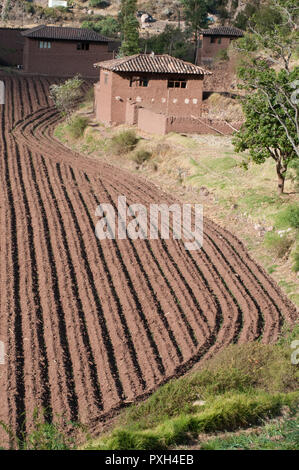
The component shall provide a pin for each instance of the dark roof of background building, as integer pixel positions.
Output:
(66, 34)
(152, 63)
(223, 31)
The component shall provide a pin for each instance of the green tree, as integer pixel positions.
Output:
(272, 84)
(99, 3)
(66, 95)
(270, 129)
(129, 28)
(171, 41)
(196, 15)
(244, 16)
(218, 7)
(107, 25)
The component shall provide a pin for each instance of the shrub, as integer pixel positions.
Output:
(67, 94)
(224, 107)
(277, 244)
(222, 55)
(108, 26)
(29, 8)
(61, 9)
(77, 126)
(289, 217)
(43, 435)
(294, 165)
(141, 156)
(124, 142)
(99, 3)
(89, 96)
(293, 216)
(296, 259)
(162, 149)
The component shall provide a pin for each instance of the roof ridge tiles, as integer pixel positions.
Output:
(65, 33)
(151, 63)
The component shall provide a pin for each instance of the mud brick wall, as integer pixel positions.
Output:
(160, 124)
(209, 50)
(114, 92)
(151, 122)
(204, 126)
(63, 59)
(11, 46)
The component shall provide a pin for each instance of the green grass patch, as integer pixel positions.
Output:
(60, 133)
(273, 436)
(289, 217)
(205, 165)
(253, 199)
(221, 164)
(277, 244)
(288, 286)
(239, 387)
(228, 412)
(58, 435)
(272, 269)
(296, 260)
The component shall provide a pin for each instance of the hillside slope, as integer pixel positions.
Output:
(25, 12)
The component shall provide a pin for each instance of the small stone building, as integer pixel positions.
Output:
(214, 40)
(65, 52)
(151, 91)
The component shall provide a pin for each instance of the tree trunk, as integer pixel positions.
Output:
(281, 174)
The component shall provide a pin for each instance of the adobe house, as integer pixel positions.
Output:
(64, 52)
(148, 90)
(11, 46)
(213, 40)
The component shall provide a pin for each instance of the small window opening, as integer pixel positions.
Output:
(177, 84)
(106, 77)
(44, 45)
(139, 82)
(83, 46)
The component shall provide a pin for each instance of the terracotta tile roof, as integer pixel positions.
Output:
(223, 31)
(67, 34)
(152, 64)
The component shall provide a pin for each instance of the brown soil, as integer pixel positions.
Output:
(90, 326)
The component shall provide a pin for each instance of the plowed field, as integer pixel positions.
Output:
(90, 325)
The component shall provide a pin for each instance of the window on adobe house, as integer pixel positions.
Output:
(83, 46)
(213, 40)
(219, 40)
(44, 45)
(106, 77)
(143, 82)
(139, 82)
(177, 84)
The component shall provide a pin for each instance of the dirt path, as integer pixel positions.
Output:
(89, 326)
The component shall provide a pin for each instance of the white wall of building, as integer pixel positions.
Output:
(57, 3)
(2, 92)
